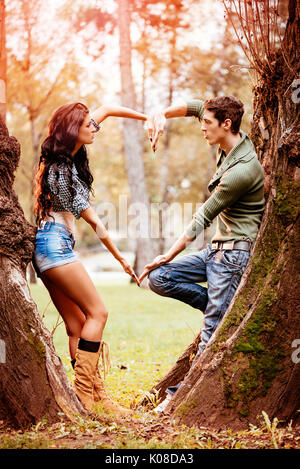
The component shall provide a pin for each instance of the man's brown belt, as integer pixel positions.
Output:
(228, 245)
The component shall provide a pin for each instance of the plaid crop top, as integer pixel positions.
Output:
(61, 196)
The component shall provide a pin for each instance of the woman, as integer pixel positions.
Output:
(63, 185)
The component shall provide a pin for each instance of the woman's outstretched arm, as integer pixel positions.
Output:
(117, 111)
(90, 216)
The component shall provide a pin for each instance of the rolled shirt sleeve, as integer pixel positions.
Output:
(195, 108)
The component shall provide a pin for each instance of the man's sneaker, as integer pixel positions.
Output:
(161, 407)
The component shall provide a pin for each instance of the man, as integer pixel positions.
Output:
(237, 201)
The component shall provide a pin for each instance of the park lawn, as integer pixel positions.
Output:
(146, 333)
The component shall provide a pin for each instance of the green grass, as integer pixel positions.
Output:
(146, 333)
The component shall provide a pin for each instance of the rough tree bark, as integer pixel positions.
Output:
(33, 382)
(132, 141)
(248, 365)
(2, 62)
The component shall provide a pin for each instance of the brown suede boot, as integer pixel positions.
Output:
(99, 392)
(85, 368)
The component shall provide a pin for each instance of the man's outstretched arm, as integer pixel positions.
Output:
(156, 123)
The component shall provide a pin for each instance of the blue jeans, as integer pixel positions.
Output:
(222, 270)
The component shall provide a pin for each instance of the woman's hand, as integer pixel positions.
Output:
(90, 216)
(129, 270)
(156, 125)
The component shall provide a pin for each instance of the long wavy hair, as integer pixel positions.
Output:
(56, 150)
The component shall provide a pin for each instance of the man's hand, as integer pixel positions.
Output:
(159, 260)
(182, 242)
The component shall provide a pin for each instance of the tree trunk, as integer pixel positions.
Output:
(250, 364)
(132, 141)
(2, 62)
(35, 149)
(33, 382)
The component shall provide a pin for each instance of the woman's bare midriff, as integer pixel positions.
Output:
(64, 218)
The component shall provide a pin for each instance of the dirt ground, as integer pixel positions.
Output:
(146, 431)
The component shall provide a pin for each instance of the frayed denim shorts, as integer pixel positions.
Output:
(54, 247)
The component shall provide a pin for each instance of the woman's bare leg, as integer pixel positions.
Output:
(72, 315)
(74, 282)
(76, 298)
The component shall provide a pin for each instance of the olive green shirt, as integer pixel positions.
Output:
(237, 191)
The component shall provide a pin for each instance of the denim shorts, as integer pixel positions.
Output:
(54, 247)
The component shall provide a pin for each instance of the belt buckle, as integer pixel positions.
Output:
(215, 245)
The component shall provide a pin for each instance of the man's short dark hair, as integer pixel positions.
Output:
(226, 107)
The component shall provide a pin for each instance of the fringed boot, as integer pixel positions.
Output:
(90, 389)
(100, 394)
(86, 366)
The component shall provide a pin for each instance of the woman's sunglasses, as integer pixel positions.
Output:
(97, 126)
